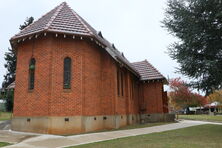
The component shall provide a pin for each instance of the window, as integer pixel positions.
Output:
(67, 73)
(132, 88)
(120, 82)
(118, 88)
(31, 74)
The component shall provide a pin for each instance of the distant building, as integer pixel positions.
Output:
(70, 79)
(213, 108)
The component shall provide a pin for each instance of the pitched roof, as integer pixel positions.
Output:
(62, 19)
(147, 71)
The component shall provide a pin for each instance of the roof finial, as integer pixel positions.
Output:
(100, 34)
(64, 3)
(123, 55)
(113, 46)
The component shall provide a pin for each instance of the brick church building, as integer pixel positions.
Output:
(70, 79)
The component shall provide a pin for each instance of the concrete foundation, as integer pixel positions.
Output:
(81, 124)
(71, 124)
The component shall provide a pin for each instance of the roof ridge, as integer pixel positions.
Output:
(80, 19)
(63, 19)
(138, 62)
(58, 9)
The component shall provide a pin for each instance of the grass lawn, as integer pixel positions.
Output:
(217, 118)
(2, 144)
(202, 136)
(5, 116)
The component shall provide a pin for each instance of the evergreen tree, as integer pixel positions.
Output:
(10, 58)
(9, 77)
(27, 22)
(198, 26)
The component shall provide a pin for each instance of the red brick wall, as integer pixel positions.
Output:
(165, 103)
(153, 97)
(35, 102)
(93, 84)
(108, 86)
(66, 102)
(129, 102)
(99, 81)
(133, 94)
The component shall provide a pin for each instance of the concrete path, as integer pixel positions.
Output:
(52, 141)
(13, 137)
(5, 125)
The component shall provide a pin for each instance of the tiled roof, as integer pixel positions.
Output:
(147, 71)
(63, 19)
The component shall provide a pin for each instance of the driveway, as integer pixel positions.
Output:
(53, 141)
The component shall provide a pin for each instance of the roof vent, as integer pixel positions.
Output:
(123, 55)
(113, 46)
(100, 34)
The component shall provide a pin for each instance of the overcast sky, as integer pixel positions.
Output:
(134, 26)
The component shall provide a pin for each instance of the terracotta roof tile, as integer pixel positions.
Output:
(62, 19)
(147, 71)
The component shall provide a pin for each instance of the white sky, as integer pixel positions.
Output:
(132, 25)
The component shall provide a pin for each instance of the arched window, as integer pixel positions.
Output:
(31, 73)
(67, 73)
(120, 82)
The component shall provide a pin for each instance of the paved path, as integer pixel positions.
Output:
(5, 125)
(52, 141)
(13, 137)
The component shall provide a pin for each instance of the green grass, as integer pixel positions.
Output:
(2, 144)
(202, 136)
(5, 116)
(217, 118)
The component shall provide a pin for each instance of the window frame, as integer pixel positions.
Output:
(32, 67)
(120, 82)
(67, 73)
